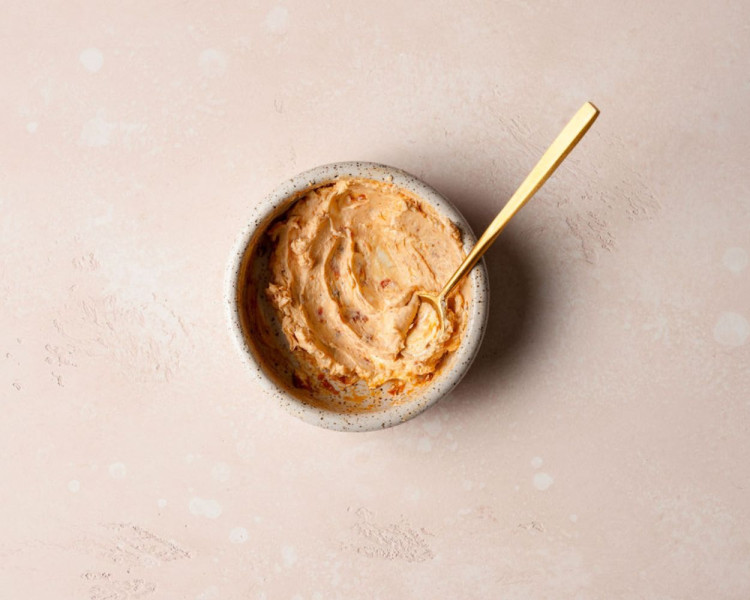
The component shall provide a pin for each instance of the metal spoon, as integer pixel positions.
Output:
(551, 159)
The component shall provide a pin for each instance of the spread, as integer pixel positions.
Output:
(345, 262)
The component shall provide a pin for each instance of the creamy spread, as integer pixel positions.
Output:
(346, 260)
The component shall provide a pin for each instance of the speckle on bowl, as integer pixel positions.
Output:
(379, 410)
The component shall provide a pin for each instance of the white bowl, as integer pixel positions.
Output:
(327, 412)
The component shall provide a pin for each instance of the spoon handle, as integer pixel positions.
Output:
(551, 159)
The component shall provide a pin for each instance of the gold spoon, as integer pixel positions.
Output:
(551, 159)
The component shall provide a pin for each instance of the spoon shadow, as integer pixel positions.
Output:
(514, 307)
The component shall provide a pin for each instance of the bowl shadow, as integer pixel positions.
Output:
(514, 305)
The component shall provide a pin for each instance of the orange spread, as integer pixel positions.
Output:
(346, 260)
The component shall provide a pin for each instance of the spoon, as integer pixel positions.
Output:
(551, 159)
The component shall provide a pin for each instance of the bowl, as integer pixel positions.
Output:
(347, 408)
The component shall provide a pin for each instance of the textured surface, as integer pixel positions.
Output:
(598, 447)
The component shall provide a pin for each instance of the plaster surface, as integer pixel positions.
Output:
(599, 446)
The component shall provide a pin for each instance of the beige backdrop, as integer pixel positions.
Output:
(597, 449)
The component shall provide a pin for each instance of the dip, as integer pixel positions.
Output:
(345, 261)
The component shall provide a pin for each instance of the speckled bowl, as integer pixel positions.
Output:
(384, 411)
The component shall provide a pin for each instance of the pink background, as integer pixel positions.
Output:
(599, 446)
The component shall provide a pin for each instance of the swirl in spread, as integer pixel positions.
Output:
(346, 260)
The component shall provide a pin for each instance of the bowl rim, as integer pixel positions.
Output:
(463, 357)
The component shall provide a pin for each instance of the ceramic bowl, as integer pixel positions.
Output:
(374, 409)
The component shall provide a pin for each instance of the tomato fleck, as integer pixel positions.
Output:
(299, 382)
(396, 388)
(327, 385)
